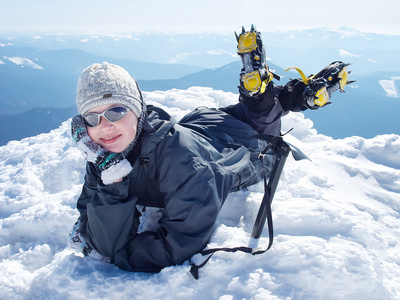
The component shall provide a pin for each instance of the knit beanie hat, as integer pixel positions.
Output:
(104, 84)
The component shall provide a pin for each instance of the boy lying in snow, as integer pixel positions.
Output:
(139, 155)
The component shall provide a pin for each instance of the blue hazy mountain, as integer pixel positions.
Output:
(38, 75)
(310, 49)
(364, 110)
(32, 122)
(32, 77)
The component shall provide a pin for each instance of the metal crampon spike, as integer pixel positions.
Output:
(237, 37)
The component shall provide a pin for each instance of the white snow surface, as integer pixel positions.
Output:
(336, 221)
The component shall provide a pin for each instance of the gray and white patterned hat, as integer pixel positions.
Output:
(104, 84)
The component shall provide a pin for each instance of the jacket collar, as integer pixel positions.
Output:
(156, 126)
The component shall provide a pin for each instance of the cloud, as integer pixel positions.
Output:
(179, 57)
(22, 61)
(344, 53)
(390, 86)
(220, 52)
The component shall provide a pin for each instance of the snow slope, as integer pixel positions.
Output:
(336, 223)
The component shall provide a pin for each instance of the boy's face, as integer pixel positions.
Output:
(113, 136)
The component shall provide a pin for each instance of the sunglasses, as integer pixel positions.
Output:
(112, 114)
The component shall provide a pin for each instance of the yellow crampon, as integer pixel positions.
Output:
(322, 96)
(253, 83)
(255, 74)
(343, 77)
(305, 79)
(247, 42)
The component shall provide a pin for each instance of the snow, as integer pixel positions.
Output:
(336, 221)
(390, 86)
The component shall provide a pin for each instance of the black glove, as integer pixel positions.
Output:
(76, 241)
(112, 166)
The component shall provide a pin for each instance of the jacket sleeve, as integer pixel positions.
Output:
(109, 218)
(187, 221)
(291, 96)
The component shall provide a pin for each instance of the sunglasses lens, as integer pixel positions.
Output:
(115, 114)
(91, 120)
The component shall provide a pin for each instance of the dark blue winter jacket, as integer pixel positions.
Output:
(187, 169)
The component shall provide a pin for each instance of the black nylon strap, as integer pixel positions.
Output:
(281, 149)
(194, 270)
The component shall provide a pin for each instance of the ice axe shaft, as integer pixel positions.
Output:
(282, 149)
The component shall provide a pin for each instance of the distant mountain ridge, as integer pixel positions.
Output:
(32, 77)
(35, 80)
(365, 110)
(32, 122)
(211, 50)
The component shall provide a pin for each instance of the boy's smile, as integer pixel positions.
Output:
(113, 136)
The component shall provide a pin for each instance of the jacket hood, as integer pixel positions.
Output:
(156, 126)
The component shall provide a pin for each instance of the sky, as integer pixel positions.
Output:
(102, 16)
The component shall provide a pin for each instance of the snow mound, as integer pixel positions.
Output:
(336, 223)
